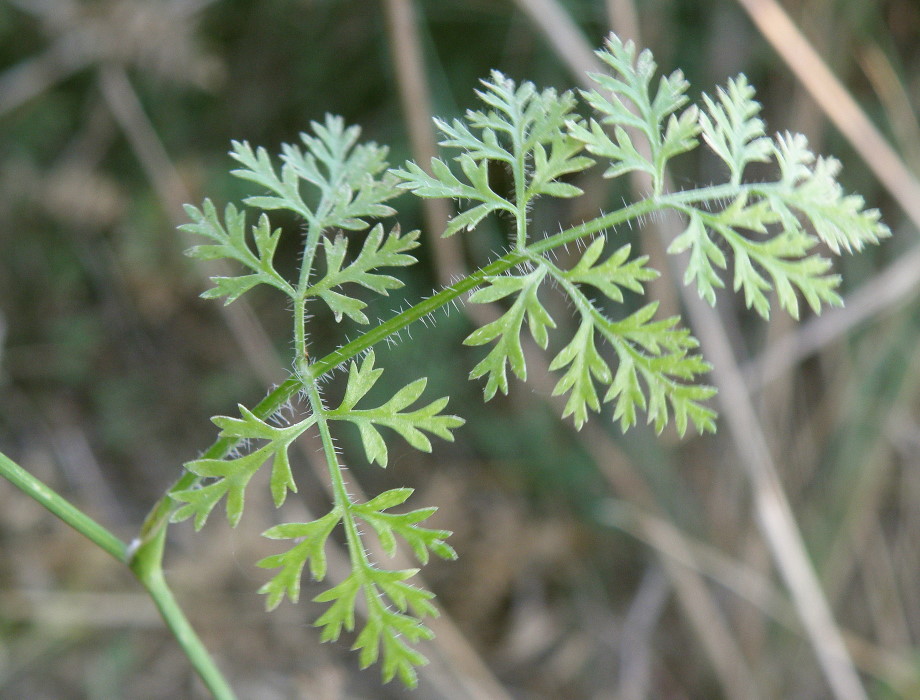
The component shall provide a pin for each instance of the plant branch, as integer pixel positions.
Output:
(147, 566)
(145, 563)
(62, 508)
(163, 508)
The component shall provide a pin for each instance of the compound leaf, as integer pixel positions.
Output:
(507, 328)
(310, 549)
(411, 425)
(232, 475)
(377, 251)
(230, 243)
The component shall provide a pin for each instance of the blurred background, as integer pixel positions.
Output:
(592, 564)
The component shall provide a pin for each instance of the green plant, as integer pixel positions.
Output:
(641, 364)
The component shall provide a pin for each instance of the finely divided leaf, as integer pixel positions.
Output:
(627, 103)
(310, 549)
(507, 328)
(585, 365)
(663, 355)
(387, 630)
(232, 475)
(411, 425)
(563, 159)
(377, 251)
(705, 255)
(732, 129)
(523, 129)
(618, 148)
(655, 351)
(809, 186)
(388, 525)
(349, 177)
(341, 614)
(443, 183)
(258, 168)
(773, 228)
(231, 478)
(230, 243)
(613, 275)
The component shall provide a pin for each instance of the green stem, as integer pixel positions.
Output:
(714, 193)
(449, 294)
(147, 566)
(339, 489)
(300, 334)
(145, 562)
(63, 509)
(520, 215)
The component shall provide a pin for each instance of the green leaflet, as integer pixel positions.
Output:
(233, 475)
(809, 186)
(657, 364)
(311, 549)
(507, 328)
(231, 243)
(388, 525)
(626, 102)
(348, 178)
(585, 365)
(385, 629)
(377, 251)
(731, 127)
(523, 130)
(411, 425)
(613, 275)
(444, 183)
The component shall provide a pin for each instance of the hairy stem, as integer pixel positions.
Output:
(519, 166)
(300, 334)
(339, 489)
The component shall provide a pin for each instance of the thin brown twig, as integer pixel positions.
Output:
(415, 98)
(771, 506)
(837, 103)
